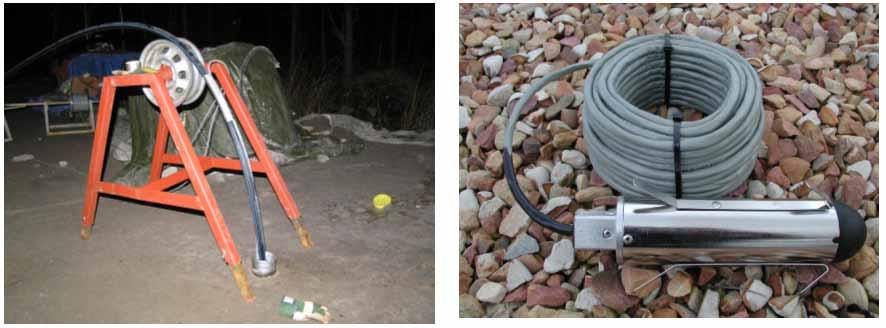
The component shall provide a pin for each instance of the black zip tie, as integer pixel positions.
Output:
(678, 169)
(677, 117)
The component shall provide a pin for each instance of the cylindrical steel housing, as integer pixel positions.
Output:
(707, 231)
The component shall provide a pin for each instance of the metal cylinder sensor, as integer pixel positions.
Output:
(266, 267)
(716, 231)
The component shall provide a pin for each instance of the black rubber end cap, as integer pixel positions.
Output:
(852, 232)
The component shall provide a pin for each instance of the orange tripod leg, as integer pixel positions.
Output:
(258, 145)
(159, 150)
(223, 238)
(97, 157)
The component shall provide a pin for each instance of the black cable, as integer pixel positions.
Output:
(513, 185)
(531, 211)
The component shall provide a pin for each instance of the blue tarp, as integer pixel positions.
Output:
(99, 65)
(95, 64)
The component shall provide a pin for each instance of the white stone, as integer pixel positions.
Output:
(561, 258)
(500, 95)
(863, 168)
(854, 293)
(517, 275)
(523, 35)
(574, 158)
(492, 65)
(491, 292)
(850, 39)
(492, 42)
(756, 189)
(709, 34)
(872, 285)
(774, 191)
(580, 49)
(561, 175)
(556, 202)
(539, 13)
(586, 300)
(811, 116)
(522, 245)
(828, 10)
(539, 175)
(789, 308)
(516, 221)
(468, 208)
(490, 208)
(542, 70)
(710, 305)
(873, 231)
(757, 295)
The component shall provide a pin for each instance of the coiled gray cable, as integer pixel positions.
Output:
(632, 149)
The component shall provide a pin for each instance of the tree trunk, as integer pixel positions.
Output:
(393, 53)
(122, 31)
(292, 35)
(323, 38)
(348, 43)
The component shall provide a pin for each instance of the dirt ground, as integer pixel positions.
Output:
(146, 264)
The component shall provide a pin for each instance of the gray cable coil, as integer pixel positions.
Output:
(632, 149)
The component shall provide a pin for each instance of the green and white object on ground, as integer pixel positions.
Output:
(302, 311)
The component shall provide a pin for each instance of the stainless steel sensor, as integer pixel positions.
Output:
(710, 231)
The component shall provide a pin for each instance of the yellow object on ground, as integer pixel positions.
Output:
(379, 203)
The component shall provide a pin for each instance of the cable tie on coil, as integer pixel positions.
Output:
(677, 116)
(678, 168)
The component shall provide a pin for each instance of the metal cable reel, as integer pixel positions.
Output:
(186, 85)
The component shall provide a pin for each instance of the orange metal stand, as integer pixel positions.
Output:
(154, 191)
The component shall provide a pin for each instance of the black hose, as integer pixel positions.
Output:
(109, 26)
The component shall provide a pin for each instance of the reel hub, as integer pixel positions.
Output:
(186, 85)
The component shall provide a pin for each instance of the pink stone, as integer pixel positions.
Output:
(795, 30)
(546, 296)
(528, 107)
(759, 173)
(594, 47)
(776, 176)
(605, 201)
(797, 103)
(571, 41)
(853, 191)
(808, 99)
(607, 287)
(806, 148)
(486, 139)
(596, 180)
(517, 295)
(740, 191)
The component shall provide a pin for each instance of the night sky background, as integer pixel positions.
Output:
(30, 27)
(396, 39)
